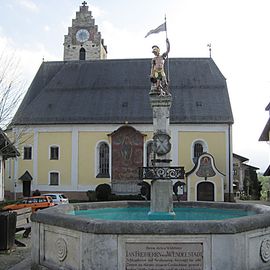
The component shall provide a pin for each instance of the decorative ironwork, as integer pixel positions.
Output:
(156, 173)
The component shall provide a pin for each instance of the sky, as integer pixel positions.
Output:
(33, 30)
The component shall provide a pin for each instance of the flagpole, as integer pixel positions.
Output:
(168, 71)
(166, 26)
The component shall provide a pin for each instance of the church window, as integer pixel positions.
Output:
(82, 54)
(27, 153)
(103, 160)
(198, 148)
(54, 178)
(54, 153)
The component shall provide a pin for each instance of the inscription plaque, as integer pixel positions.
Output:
(164, 256)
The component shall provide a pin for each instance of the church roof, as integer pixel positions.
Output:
(116, 91)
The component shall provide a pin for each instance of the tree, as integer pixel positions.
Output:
(252, 185)
(265, 183)
(11, 92)
(11, 88)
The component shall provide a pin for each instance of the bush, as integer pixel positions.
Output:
(36, 193)
(130, 197)
(91, 194)
(103, 191)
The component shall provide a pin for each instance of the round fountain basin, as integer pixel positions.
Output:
(65, 237)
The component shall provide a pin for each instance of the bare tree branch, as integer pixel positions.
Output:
(12, 88)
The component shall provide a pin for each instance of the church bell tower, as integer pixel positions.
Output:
(83, 41)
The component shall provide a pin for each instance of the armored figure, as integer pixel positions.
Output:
(158, 76)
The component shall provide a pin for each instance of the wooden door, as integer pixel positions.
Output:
(26, 188)
(205, 191)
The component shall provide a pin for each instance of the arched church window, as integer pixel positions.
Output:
(103, 160)
(82, 54)
(198, 148)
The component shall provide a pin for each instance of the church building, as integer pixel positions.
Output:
(87, 120)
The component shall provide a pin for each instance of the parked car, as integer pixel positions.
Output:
(36, 203)
(58, 198)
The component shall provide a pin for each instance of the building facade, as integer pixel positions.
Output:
(245, 181)
(7, 151)
(83, 123)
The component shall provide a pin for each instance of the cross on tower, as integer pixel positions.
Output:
(210, 49)
(84, 3)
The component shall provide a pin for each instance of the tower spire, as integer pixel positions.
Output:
(84, 41)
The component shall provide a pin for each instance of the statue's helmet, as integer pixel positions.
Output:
(156, 49)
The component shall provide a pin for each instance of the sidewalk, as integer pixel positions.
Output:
(23, 265)
(17, 255)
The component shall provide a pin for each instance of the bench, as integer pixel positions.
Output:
(23, 223)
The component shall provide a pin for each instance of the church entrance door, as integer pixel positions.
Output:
(205, 191)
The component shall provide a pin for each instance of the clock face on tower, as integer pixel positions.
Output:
(82, 35)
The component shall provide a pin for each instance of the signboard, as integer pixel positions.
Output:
(164, 256)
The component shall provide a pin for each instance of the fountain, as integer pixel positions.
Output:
(61, 239)
(75, 237)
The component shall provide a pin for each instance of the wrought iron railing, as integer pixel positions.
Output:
(156, 173)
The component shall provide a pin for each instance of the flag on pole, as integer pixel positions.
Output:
(161, 28)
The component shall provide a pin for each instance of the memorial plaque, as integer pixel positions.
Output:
(164, 256)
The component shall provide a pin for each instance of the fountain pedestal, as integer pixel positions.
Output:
(161, 206)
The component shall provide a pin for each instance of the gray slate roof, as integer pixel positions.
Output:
(115, 91)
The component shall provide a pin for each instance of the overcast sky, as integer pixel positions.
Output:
(237, 29)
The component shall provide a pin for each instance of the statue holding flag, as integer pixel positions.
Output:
(158, 76)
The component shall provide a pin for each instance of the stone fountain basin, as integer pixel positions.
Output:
(64, 241)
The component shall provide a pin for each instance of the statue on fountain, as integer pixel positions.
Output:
(158, 77)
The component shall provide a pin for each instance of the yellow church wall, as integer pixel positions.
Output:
(25, 139)
(63, 165)
(9, 172)
(148, 136)
(216, 142)
(87, 157)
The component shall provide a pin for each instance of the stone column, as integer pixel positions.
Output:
(161, 189)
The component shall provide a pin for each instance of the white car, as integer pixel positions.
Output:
(58, 198)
